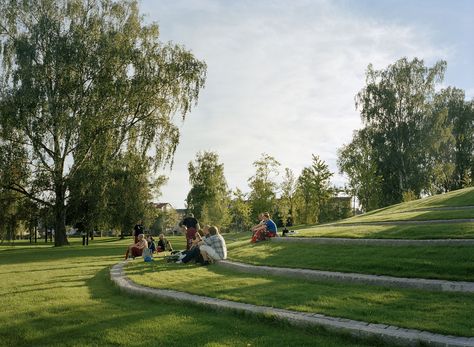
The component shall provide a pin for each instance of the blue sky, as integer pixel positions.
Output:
(282, 75)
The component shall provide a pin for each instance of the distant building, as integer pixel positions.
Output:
(163, 206)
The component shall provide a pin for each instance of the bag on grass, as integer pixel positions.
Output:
(147, 257)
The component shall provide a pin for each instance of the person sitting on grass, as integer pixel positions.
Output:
(193, 252)
(265, 230)
(258, 229)
(270, 224)
(136, 249)
(151, 244)
(214, 247)
(163, 244)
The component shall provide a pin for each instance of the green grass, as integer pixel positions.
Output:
(446, 313)
(390, 215)
(439, 262)
(63, 297)
(407, 231)
(457, 198)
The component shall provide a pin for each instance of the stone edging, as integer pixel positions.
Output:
(387, 333)
(388, 281)
(383, 242)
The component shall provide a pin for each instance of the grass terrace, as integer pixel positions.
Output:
(63, 297)
(439, 262)
(446, 313)
(401, 231)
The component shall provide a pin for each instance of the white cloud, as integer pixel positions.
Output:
(281, 79)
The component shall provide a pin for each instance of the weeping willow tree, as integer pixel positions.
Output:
(84, 82)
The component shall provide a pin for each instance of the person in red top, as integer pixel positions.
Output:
(136, 249)
(192, 225)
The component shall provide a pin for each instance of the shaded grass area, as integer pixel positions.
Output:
(63, 297)
(391, 215)
(414, 232)
(446, 313)
(439, 262)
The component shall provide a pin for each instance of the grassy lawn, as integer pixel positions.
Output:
(412, 231)
(412, 216)
(63, 297)
(457, 198)
(439, 262)
(447, 313)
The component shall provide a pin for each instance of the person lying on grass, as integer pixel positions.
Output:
(214, 247)
(136, 249)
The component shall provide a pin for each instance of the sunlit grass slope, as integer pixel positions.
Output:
(438, 262)
(453, 206)
(447, 313)
(461, 201)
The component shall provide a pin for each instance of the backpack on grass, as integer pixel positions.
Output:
(147, 256)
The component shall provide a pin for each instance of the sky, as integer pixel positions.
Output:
(282, 75)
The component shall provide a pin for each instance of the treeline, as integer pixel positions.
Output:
(89, 97)
(416, 141)
(308, 198)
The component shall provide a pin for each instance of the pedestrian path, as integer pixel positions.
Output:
(386, 333)
(381, 242)
(388, 281)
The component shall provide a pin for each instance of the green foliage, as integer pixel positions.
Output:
(164, 220)
(357, 161)
(395, 105)
(455, 159)
(208, 198)
(336, 208)
(313, 190)
(240, 211)
(129, 194)
(408, 196)
(287, 202)
(263, 187)
(83, 80)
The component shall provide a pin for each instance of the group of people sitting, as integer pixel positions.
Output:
(265, 229)
(141, 243)
(206, 248)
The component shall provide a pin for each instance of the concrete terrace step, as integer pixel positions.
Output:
(382, 242)
(389, 334)
(388, 281)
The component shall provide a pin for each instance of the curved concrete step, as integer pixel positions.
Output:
(381, 242)
(387, 281)
(388, 333)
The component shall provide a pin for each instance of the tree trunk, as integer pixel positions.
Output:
(60, 238)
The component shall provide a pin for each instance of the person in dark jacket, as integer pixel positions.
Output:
(138, 229)
(192, 225)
